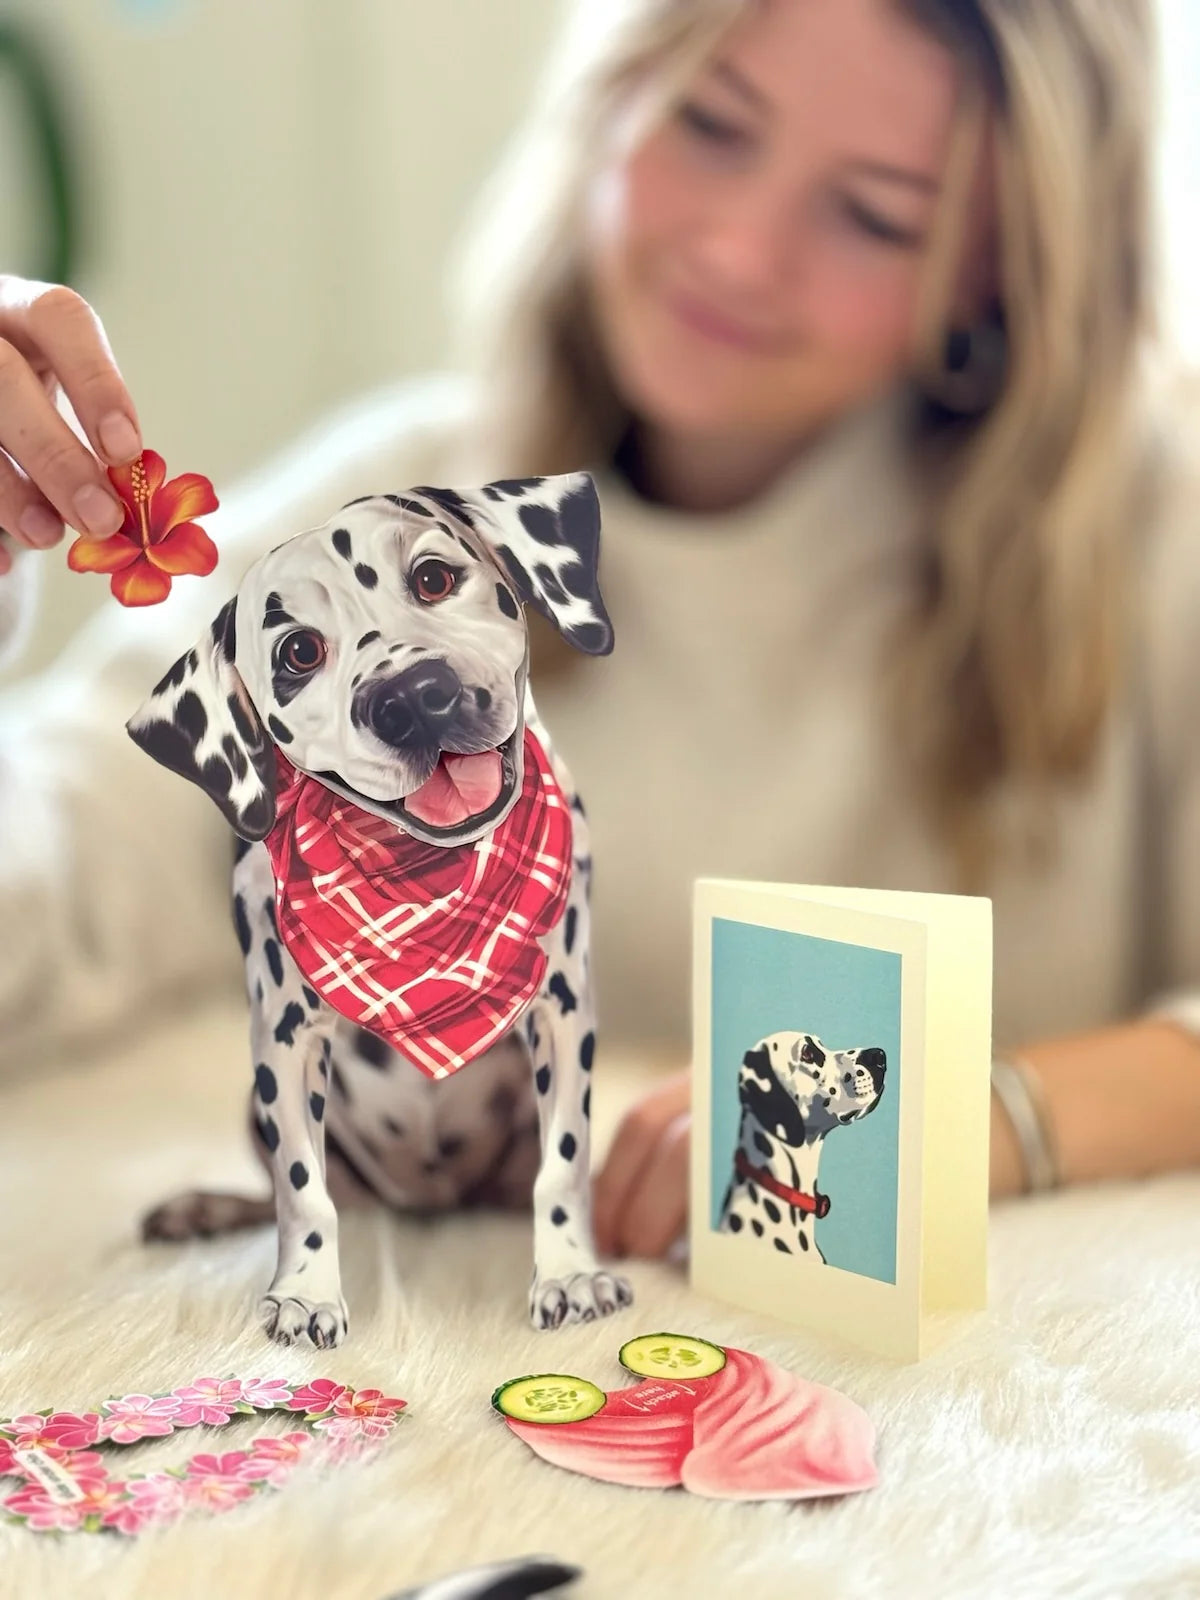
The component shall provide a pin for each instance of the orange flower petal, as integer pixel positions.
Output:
(102, 555)
(190, 495)
(186, 549)
(121, 477)
(141, 585)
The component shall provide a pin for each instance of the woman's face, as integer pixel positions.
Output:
(756, 262)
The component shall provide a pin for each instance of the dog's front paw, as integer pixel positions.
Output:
(287, 1318)
(583, 1297)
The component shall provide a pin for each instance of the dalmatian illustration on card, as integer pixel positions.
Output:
(841, 1062)
(794, 1092)
(411, 883)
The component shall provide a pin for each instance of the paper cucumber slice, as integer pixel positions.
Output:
(671, 1355)
(548, 1397)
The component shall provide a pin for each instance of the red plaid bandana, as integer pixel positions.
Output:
(435, 949)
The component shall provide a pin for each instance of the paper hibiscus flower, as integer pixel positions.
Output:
(158, 540)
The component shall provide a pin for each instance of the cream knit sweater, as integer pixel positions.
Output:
(735, 731)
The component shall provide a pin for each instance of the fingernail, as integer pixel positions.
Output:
(98, 512)
(119, 437)
(40, 527)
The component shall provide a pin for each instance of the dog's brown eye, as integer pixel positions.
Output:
(302, 651)
(808, 1054)
(433, 580)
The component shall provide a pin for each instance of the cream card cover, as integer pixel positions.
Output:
(842, 1052)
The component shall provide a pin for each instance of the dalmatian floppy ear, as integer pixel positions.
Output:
(765, 1098)
(199, 722)
(546, 531)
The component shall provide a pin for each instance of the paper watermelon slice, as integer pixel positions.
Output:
(748, 1431)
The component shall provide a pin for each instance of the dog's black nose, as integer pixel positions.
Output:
(875, 1062)
(412, 709)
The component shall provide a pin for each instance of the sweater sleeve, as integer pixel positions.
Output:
(114, 873)
(1171, 654)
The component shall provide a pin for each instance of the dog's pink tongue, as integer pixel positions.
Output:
(459, 787)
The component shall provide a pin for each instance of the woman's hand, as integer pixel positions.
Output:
(640, 1200)
(51, 338)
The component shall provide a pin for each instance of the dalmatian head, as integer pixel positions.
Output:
(385, 653)
(799, 1091)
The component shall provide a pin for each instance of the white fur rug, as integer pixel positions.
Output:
(1052, 1449)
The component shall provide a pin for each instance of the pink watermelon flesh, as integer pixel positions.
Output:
(762, 1434)
(640, 1438)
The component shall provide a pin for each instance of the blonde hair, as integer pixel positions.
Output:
(1014, 660)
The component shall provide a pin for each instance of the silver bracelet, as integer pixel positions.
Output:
(1019, 1089)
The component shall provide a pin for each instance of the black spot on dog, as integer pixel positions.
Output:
(374, 1050)
(215, 777)
(587, 1101)
(502, 1102)
(274, 616)
(406, 504)
(450, 501)
(311, 998)
(314, 1241)
(558, 1216)
(280, 729)
(190, 716)
(326, 1055)
(274, 960)
(298, 1173)
(763, 1144)
(587, 1050)
(241, 923)
(176, 675)
(247, 728)
(368, 638)
(269, 913)
(293, 1016)
(577, 805)
(541, 523)
(772, 1210)
(542, 1079)
(803, 1241)
(567, 1147)
(234, 756)
(483, 699)
(339, 1084)
(224, 630)
(316, 1104)
(466, 544)
(759, 1230)
(569, 926)
(258, 991)
(511, 488)
(753, 1193)
(735, 1222)
(341, 543)
(779, 1245)
(563, 993)
(241, 848)
(451, 1146)
(366, 575)
(548, 579)
(393, 1127)
(505, 601)
(264, 1082)
(268, 1133)
(764, 1098)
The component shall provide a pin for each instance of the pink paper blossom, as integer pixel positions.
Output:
(9, 1467)
(266, 1393)
(367, 1403)
(316, 1396)
(140, 1416)
(217, 1482)
(29, 1430)
(274, 1460)
(343, 1429)
(100, 1497)
(72, 1431)
(209, 1400)
(157, 1498)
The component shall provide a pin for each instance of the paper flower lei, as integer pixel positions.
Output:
(65, 1486)
(158, 540)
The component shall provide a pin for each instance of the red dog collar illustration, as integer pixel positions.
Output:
(816, 1203)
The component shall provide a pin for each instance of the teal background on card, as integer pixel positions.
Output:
(767, 980)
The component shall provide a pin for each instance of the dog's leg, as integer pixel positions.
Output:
(568, 1286)
(291, 1034)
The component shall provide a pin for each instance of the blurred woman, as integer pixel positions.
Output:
(849, 306)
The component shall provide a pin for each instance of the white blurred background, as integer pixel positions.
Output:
(270, 190)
